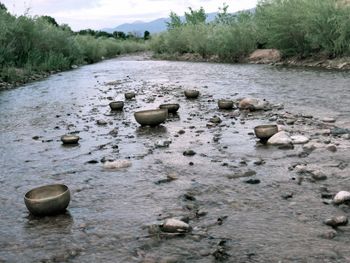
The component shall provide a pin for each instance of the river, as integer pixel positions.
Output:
(111, 211)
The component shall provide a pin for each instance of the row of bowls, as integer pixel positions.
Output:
(54, 199)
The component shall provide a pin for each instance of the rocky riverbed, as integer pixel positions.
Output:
(200, 187)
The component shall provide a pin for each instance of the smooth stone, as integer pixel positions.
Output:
(299, 139)
(118, 164)
(215, 119)
(162, 143)
(189, 153)
(331, 148)
(337, 221)
(328, 120)
(253, 104)
(280, 138)
(329, 234)
(101, 122)
(339, 131)
(341, 197)
(318, 175)
(173, 225)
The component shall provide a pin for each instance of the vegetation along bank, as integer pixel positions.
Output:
(34, 47)
(305, 32)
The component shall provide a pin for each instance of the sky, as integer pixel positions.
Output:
(98, 14)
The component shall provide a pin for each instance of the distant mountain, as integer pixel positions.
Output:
(154, 26)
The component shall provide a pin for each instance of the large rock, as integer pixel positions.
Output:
(341, 197)
(265, 56)
(253, 104)
(173, 225)
(299, 139)
(280, 138)
(118, 164)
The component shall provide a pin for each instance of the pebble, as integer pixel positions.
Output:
(252, 181)
(163, 143)
(299, 139)
(280, 138)
(101, 122)
(336, 221)
(189, 153)
(341, 197)
(173, 225)
(318, 175)
(332, 148)
(328, 120)
(118, 164)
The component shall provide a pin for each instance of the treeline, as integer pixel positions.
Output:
(31, 45)
(295, 27)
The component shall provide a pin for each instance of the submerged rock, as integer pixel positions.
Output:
(118, 164)
(341, 197)
(280, 138)
(253, 104)
(299, 139)
(173, 225)
(337, 221)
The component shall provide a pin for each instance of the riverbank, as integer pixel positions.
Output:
(342, 63)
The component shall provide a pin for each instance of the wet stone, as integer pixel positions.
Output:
(341, 197)
(337, 221)
(318, 175)
(287, 195)
(101, 122)
(173, 225)
(252, 181)
(331, 148)
(189, 153)
(330, 234)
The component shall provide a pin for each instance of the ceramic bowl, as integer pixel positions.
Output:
(225, 104)
(151, 117)
(171, 107)
(47, 200)
(191, 94)
(70, 139)
(264, 132)
(116, 105)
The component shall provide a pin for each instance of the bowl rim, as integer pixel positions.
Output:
(70, 135)
(225, 100)
(116, 101)
(152, 110)
(46, 198)
(191, 90)
(266, 126)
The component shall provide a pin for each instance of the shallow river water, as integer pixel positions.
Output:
(112, 212)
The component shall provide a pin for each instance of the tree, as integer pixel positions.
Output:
(223, 17)
(195, 17)
(50, 20)
(175, 21)
(146, 35)
(119, 34)
(3, 7)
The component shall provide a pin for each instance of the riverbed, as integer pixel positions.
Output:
(112, 213)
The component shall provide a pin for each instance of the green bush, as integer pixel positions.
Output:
(37, 44)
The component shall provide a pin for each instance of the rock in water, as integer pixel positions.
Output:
(253, 104)
(299, 139)
(173, 225)
(341, 197)
(336, 221)
(280, 138)
(118, 164)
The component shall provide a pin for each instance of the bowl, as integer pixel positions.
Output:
(129, 95)
(191, 94)
(264, 132)
(225, 104)
(70, 139)
(47, 200)
(116, 105)
(151, 117)
(171, 107)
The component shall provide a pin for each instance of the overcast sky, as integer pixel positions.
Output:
(97, 14)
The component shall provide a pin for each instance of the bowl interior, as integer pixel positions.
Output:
(47, 191)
